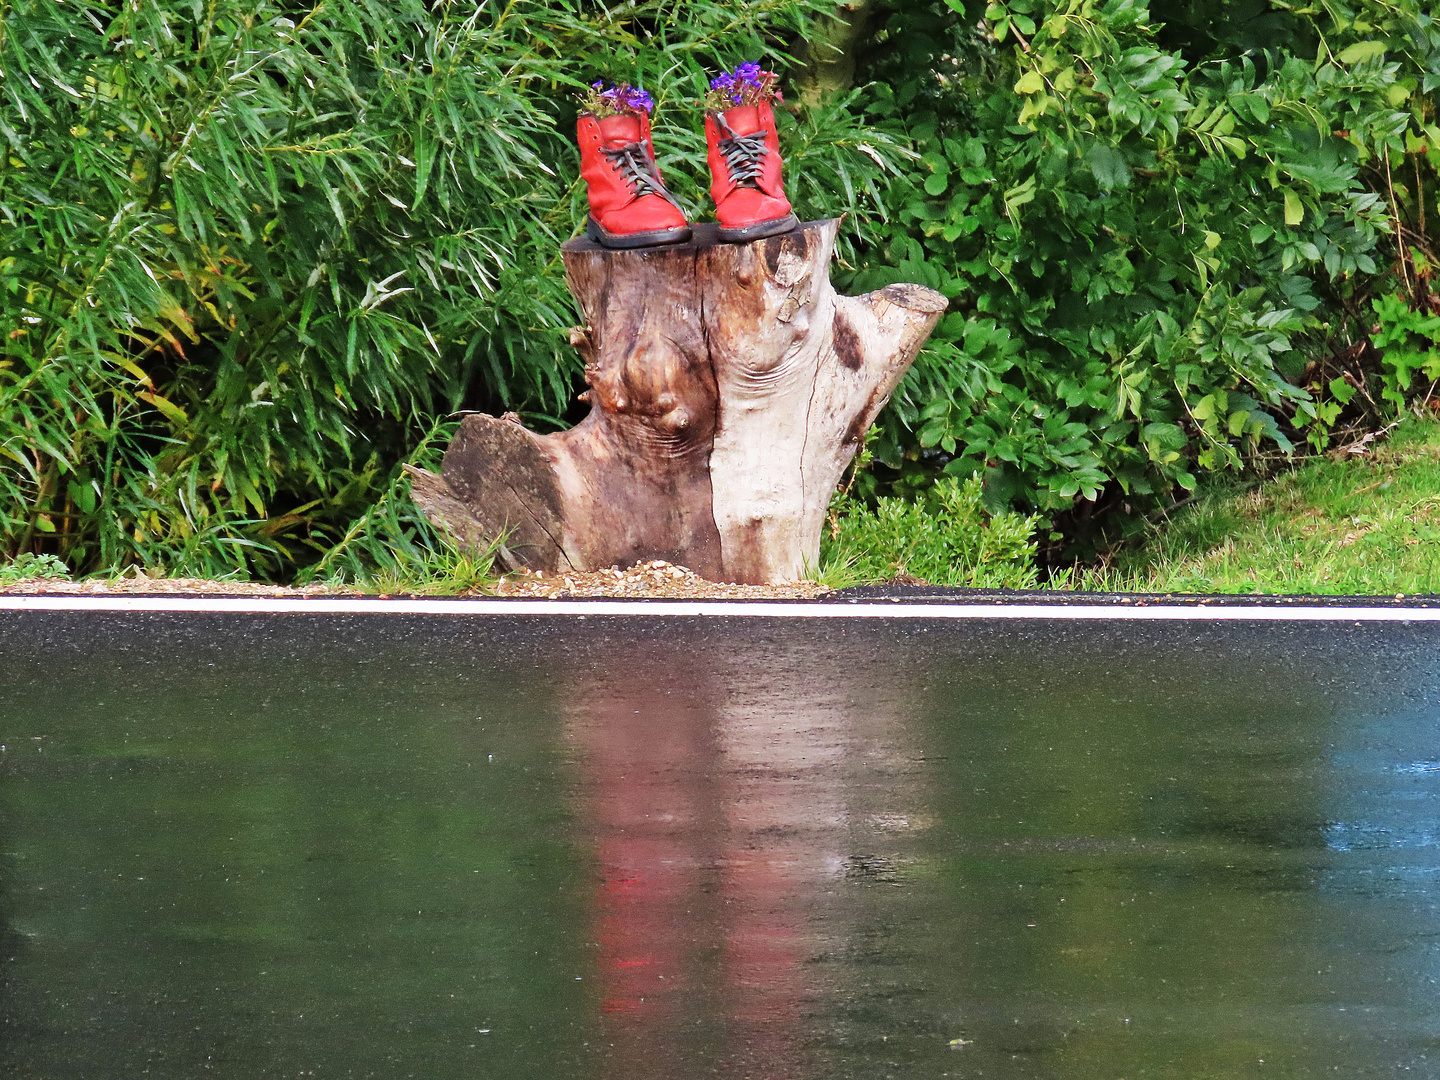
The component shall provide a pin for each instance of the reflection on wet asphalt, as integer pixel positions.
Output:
(538, 847)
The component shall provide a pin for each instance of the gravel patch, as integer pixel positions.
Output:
(655, 580)
(651, 580)
(663, 581)
(148, 586)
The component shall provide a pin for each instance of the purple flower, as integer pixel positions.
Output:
(749, 84)
(597, 84)
(639, 99)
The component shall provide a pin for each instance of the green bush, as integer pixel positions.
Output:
(1146, 252)
(1409, 342)
(945, 537)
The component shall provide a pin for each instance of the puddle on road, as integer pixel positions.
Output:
(656, 849)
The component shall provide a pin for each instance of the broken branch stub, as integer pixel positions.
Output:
(729, 388)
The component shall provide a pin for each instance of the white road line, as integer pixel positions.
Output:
(230, 605)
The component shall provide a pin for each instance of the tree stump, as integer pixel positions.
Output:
(729, 388)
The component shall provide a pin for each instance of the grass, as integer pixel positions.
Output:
(442, 571)
(447, 571)
(1366, 524)
(1361, 525)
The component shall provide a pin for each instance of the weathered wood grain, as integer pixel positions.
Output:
(729, 388)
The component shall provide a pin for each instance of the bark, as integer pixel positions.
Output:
(729, 388)
(827, 57)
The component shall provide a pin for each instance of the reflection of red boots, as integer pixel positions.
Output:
(629, 206)
(745, 173)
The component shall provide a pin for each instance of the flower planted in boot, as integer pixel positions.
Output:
(744, 154)
(629, 205)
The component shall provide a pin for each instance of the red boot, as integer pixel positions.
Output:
(745, 173)
(629, 206)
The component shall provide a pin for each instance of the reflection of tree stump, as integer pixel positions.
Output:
(729, 388)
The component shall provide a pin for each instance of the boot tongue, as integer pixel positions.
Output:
(618, 130)
(743, 120)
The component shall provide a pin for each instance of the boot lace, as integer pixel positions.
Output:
(744, 154)
(632, 161)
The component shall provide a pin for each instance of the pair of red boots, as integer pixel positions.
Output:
(630, 206)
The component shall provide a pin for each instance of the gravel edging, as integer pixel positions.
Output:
(661, 584)
(655, 580)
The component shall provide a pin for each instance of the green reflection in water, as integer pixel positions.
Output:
(682, 849)
(271, 857)
(1125, 874)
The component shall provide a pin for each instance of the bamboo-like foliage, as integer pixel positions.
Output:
(254, 252)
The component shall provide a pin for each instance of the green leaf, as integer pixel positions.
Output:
(1361, 50)
(172, 411)
(1019, 195)
(1294, 208)
(82, 494)
(1032, 82)
(1109, 167)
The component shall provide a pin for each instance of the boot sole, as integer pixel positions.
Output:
(595, 231)
(759, 230)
